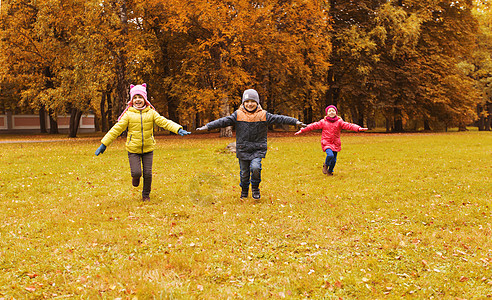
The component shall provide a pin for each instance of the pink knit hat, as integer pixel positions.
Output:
(331, 106)
(140, 89)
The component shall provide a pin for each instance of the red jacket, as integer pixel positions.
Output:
(330, 136)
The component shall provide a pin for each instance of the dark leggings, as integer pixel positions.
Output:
(137, 161)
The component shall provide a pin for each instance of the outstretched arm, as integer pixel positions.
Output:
(280, 119)
(312, 126)
(169, 125)
(221, 123)
(165, 123)
(115, 131)
(353, 127)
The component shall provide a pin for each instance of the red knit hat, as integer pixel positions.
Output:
(331, 106)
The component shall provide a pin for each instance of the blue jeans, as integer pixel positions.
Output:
(331, 159)
(250, 169)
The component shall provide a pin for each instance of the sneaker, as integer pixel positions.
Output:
(325, 169)
(255, 193)
(329, 173)
(244, 193)
(135, 181)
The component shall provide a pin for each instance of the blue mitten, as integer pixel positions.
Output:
(182, 132)
(100, 150)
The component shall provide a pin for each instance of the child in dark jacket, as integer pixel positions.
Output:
(331, 126)
(251, 138)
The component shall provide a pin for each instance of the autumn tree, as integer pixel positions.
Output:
(353, 57)
(208, 52)
(106, 40)
(119, 8)
(407, 62)
(157, 47)
(402, 58)
(26, 62)
(448, 37)
(291, 69)
(212, 70)
(44, 59)
(479, 65)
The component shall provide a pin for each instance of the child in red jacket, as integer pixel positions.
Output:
(331, 126)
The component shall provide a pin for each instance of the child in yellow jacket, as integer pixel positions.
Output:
(139, 117)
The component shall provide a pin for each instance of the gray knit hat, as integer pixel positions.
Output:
(251, 95)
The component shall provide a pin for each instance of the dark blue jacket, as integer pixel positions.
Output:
(251, 130)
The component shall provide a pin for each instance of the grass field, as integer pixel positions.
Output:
(406, 215)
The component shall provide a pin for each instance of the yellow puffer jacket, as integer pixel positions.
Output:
(140, 125)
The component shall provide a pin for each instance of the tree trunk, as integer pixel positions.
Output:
(360, 122)
(481, 118)
(269, 105)
(42, 119)
(53, 123)
(97, 124)
(332, 94)
(224, 112)
(371, 120)
(122, 86)
(360, 119)
(427, 125)
(357, 115)
(50, 85)
(308, 115)
(75, 115)
(109, 112)
(197, 120)
(388, 124)
(172, 109)
(104, 127)
(398, 123)
(488, 120)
